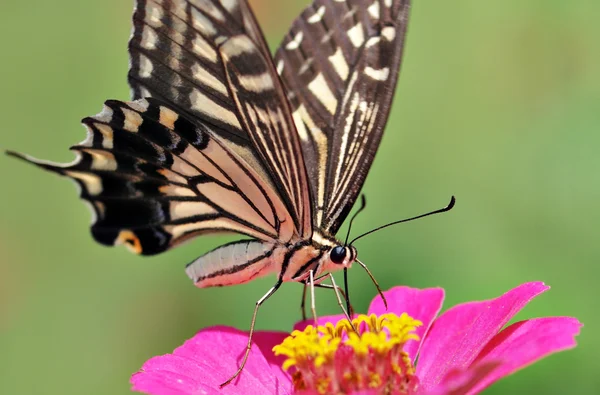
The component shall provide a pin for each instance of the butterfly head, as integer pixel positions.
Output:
(342, 256)
(333, 255)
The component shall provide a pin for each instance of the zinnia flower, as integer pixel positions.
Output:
(463, 351)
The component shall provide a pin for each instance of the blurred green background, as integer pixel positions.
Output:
(498, 103)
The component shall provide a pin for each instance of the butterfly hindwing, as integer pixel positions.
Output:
(339, 64)
(155, 179)
(208, 60)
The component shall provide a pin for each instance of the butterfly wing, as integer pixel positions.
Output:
(154, 179)
(209, 61)
(339, 64)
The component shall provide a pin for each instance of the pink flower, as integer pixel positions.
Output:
(464, 350)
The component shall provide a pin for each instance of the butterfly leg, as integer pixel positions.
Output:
(249, 346)
(306, 283)
(313, 305)
(343, 294)
(337, 290)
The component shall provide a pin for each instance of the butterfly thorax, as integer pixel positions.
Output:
(321, 254)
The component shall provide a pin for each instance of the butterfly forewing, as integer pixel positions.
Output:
(208, 59)
(339, 64)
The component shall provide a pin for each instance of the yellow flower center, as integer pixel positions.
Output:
(332, 359)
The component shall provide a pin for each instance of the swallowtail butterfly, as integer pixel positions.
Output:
(221, 137)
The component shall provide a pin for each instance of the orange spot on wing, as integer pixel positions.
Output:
(130, 240)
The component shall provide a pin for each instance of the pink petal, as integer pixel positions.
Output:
(205, 361)
(265, 341)
(421, 304)
(525, 342)
(459, 382)
(166, 383)
(458, 335)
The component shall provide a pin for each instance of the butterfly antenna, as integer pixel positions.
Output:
(447, 208)
(374, 282)
(363, 204)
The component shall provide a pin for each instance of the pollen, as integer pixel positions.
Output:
(337, 359)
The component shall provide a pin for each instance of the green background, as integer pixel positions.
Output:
(498, 103)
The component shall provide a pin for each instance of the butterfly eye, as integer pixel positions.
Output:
(338, 254)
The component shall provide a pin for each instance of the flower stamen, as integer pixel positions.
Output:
(332, 359)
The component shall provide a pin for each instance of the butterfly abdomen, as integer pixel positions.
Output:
(233, 263)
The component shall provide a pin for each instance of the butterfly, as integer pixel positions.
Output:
(221, 137)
